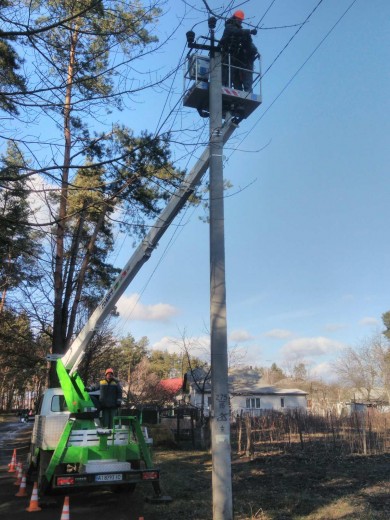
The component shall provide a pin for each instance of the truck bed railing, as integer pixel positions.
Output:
(120, 435)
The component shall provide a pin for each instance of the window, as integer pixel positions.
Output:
(282, 402)
(58, 403)
(253, 402)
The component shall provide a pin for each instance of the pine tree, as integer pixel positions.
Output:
(10, 79)
(19, 242)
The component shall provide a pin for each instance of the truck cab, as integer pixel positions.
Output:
(51, 417)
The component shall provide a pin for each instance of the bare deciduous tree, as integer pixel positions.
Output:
(365, 367)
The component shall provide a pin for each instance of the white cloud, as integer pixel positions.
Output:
(169, 343)
(304, 348)
(240, 336)
(37, 198)
(132, 309)
(334, 327)
(254, 354)
(279, 334)
(199, 346)
(369, 321)
(323, 371)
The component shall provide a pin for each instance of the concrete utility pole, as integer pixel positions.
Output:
(221, 102)
(220, 412)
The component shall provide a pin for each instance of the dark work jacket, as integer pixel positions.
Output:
(110, 393)
(237, 41)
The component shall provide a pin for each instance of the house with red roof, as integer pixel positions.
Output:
(173, 388)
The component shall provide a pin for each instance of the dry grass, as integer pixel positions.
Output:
(309, 484)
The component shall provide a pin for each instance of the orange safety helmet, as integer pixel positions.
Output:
(239, 14)
(109, 370)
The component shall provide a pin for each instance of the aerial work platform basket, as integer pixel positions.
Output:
(235, 102)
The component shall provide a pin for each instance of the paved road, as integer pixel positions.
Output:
(86, 506)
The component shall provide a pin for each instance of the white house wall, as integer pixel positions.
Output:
(196, 400)
(270, 402)
(267, 402)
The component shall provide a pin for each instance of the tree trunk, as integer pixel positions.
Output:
(81, 277)
(60, 321)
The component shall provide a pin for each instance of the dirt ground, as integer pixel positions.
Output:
(315, 483)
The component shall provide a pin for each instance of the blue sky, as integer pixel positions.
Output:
(307, 218)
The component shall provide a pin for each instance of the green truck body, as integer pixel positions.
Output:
(70, 449)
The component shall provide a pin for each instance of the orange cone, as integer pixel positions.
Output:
(12, 464)
(19, 469)
(34, 506)
(65, 510)
(22, 490)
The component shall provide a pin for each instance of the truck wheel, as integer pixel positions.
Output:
(43, 462)
(31, 474)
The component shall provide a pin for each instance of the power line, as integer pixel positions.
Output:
(175, 234)
(298, 70)
(292, 37)
(280, 93)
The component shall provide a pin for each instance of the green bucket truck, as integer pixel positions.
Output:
(69, 448)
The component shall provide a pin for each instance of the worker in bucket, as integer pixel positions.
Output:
(110, 397)
(239, 52)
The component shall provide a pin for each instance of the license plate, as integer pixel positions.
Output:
(114, 477)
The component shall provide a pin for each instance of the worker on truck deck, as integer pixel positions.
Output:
(110, 397)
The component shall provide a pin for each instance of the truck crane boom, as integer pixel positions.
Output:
(67, 432)
(69, 447)
(74, 354)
